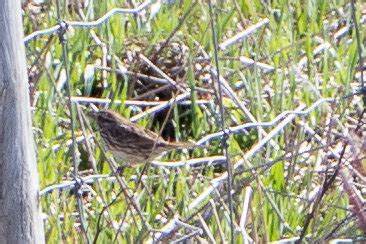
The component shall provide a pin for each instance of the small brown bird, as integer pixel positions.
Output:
(130, 142)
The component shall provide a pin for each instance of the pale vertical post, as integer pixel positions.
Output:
(20, 215)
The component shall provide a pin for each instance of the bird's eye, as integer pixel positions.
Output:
(105, 118)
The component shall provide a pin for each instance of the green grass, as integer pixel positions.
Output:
(296, 28)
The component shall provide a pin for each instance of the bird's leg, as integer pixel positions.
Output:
(119, 170)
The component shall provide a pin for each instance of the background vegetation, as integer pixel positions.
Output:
(305, 182)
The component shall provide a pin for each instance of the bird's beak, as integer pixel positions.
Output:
(92, 114)
(93, 111)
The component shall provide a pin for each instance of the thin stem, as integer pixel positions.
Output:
(72, 121)
(222, 123)
(358, 39)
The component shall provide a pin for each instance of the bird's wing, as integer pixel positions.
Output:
(148, 135)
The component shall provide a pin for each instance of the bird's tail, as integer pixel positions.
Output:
(187, 145)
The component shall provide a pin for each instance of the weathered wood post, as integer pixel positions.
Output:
(20, 220)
